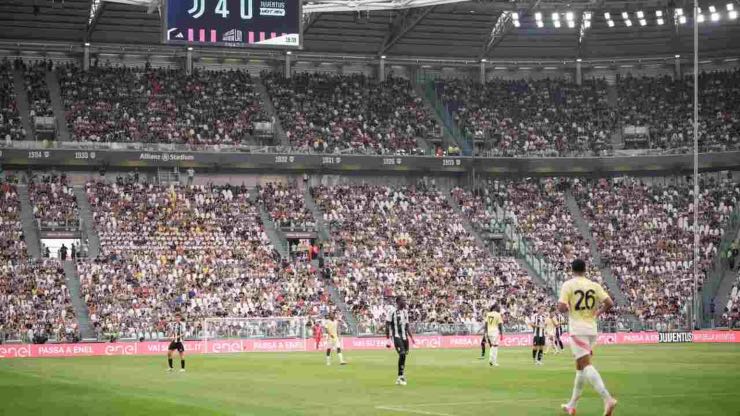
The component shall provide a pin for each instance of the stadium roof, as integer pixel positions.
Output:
(460, 29)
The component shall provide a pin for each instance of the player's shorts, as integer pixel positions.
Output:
(333, 342)
(538, 341)
(494, 338)
(402, 345)
(176, 346)
(582, 345)
(558, 332)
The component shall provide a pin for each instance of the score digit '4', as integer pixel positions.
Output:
(222, 9)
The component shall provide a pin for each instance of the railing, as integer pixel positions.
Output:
(447, 118)
(523, 249)
(177, 147)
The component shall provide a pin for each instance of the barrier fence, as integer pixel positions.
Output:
(222, 346)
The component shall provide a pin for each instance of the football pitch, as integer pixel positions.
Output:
(698, 379)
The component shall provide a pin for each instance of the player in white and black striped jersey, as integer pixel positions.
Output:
(176, 330)
(537, 323)
(397, 326)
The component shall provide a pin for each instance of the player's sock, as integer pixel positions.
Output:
(577, 389)
(534, 354)
(182, 364)
(341, 357)
(597, 383)
(401, 364)
(169, 360)
(483, 349)
(494, 355)
(539, 355)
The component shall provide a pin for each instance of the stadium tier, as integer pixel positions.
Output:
(201, 250)
(409, 241)
(331, 113)
(159, 105)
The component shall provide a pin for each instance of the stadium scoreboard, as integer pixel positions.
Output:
(233, 23)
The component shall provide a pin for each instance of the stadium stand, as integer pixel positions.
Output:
(644, 234)
(160, 105)
(36, 302)
(731, 312)
(664, 106)
(533, 117)
(39, 98)
(409, 241)
(199, 249)
(286, 206)
(334, 113)
(10, 122)
(54, 202)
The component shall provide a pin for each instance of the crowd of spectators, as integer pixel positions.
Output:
(538, 211)
(160, 105)
(39, 97)
(54, 202)
(35, 300)
(286, 205)
(332, 113)
(731, 313)
(198, 249)
(10, 121)
(409, 241)
(665, 107)
(531, 117)
(644, 233)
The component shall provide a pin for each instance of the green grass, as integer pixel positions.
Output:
(648, 380)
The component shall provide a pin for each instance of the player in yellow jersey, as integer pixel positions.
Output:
(584, 301)
(494, 331)
(550, 326)
(331, 326)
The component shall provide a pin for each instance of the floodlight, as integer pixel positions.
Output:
(625, 15)
(682, 20)
(571, 24)
(659, 13)
(732, 14)
(640, 14)
(610, 23)
(715, 17)
(555, 16)
(538, 16)
(556, 23)
(540, 24)
(569, 16)
(730, 7)
(643, 22)
(660, 21)
(628, 22)
(607, 16)
(700, 18)
(712, 9)
(679, 12)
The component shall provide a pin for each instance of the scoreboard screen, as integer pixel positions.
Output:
(235, 23)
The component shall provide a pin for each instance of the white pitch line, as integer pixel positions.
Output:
(404, 410)
(534, 400)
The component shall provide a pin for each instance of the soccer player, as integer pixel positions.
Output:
(397, 325)
(537, 323)
(332, 325)
(177, 332)
(494, 332)
(550, 334)
(317, 333)
(584, 301)
(559, 324)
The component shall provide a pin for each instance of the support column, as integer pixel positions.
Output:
(381, 69)
(482, 78)
(579, 72)
(677, 67)
(189, 61)
(287, 63)
(86, 56)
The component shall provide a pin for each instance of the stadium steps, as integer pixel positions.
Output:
(28, 222)
(22, 103)
(729, 277)
(277, 240)
(88, 223)
(321, 228)
(58, 106)
(465, 223)
(720, 278)
(282, 137)
(536, 276)
(448, 139)
(585, 230)
(78, 303)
